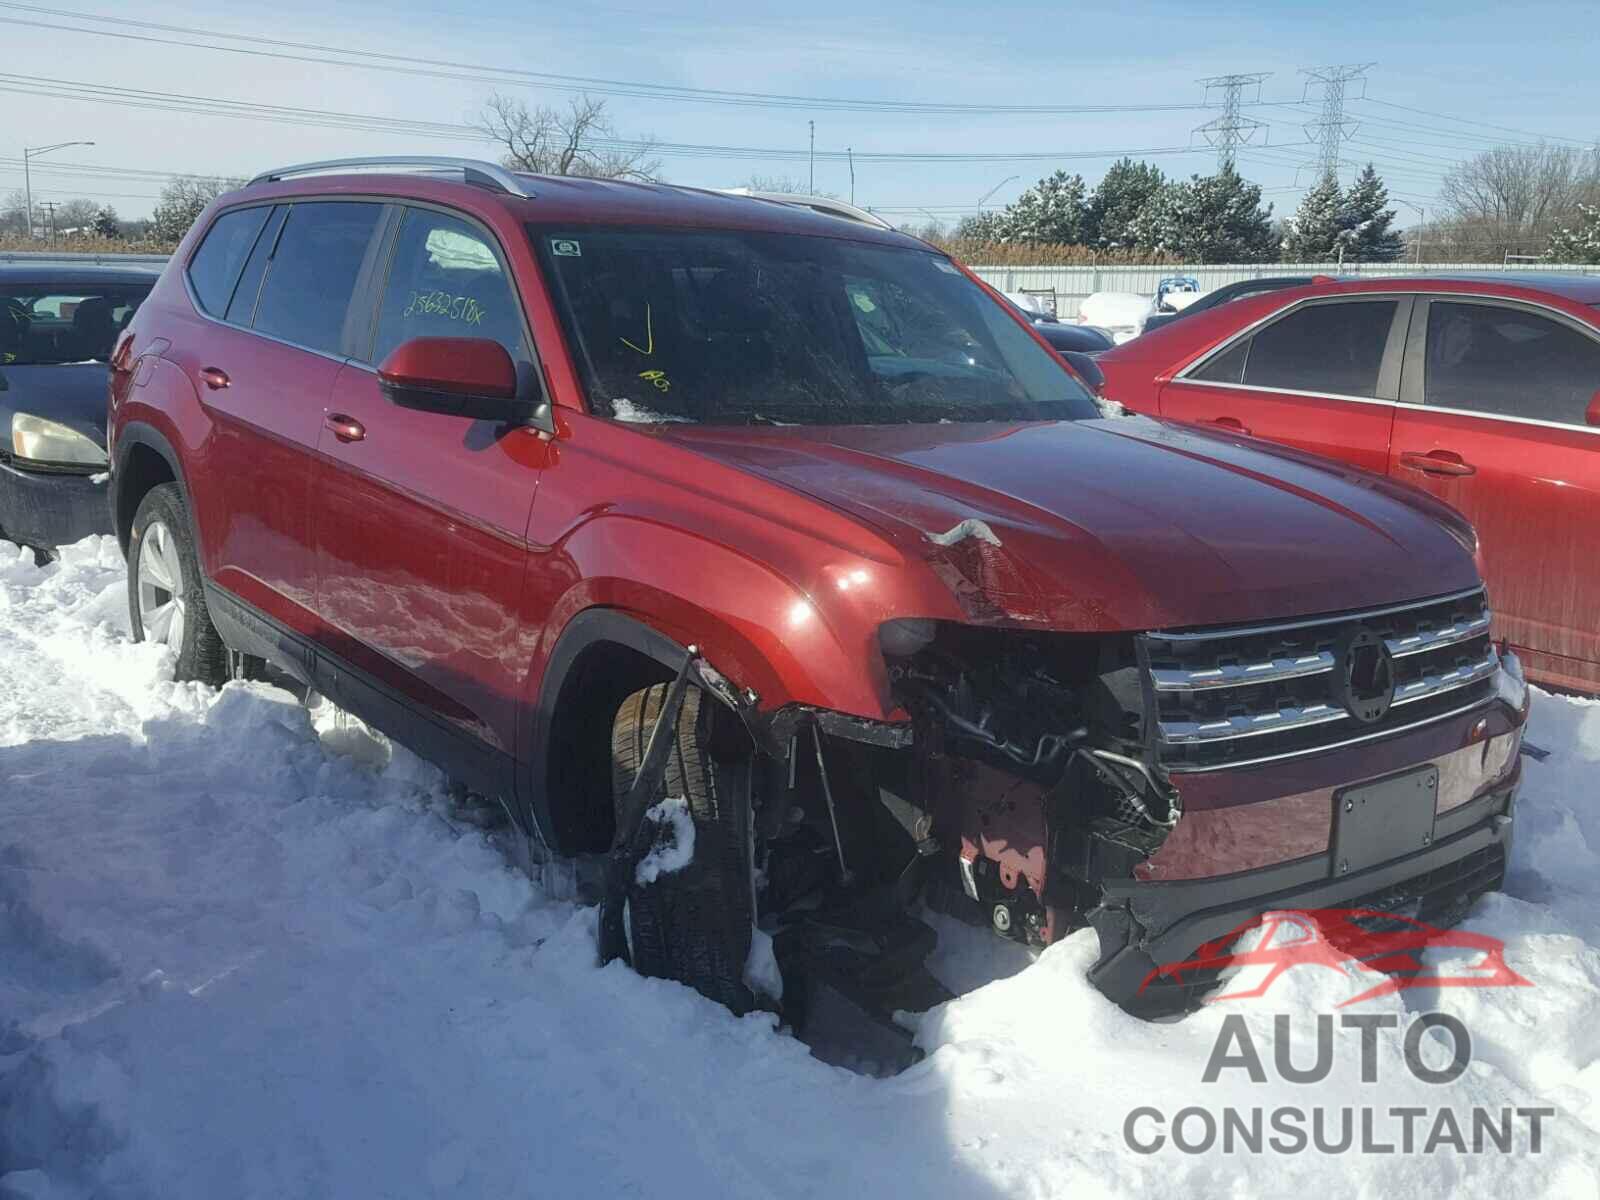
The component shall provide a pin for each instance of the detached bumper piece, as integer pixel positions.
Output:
(46, 509)
(1146, 926)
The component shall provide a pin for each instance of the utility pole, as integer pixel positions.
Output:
(1231, 130)
(851, 155)
(31, 152)
(813, 185)
(1333, 130)
(51, 205)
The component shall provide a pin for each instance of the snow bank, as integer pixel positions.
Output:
(237, 961)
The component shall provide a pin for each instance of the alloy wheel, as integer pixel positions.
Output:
(161, 604)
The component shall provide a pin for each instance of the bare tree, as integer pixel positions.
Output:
(14, 214)
(184, 198)
(76, 215)
(1515, 194)
(579, 141)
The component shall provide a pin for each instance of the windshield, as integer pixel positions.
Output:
(44, 325)
(738, 328)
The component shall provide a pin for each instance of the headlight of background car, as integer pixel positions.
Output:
(35, 440)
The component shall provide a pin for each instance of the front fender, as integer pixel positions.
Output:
(764, 632)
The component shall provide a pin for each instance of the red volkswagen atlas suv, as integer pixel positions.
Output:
(767, 565)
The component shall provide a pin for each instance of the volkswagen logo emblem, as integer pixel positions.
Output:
(1363, 673)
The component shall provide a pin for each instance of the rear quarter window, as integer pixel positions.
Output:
(214, 269)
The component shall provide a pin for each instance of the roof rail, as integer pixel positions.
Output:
(484, 174)
(826, 205)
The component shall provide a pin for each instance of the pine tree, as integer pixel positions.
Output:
(1578, 242)
(985, 227)
(1052, 210)
(1365, 221)
(106, 224)
(1114, 208)
(1209, 219)
(1312, 235)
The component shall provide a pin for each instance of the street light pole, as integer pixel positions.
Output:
(1422, 225)
(27, 178)
(994, 189)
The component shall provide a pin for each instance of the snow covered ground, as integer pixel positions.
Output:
(246, 954)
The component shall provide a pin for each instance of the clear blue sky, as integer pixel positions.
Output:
(1530, 67)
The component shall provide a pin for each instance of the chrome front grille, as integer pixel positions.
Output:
(1224, 696)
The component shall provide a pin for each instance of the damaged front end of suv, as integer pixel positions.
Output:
(1160, 788)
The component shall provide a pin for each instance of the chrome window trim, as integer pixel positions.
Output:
(1278, 391)
(1361, 614)
(1483, 416)
(194, 300)
(1204, 768)
(1395, 295)
(1413, 384)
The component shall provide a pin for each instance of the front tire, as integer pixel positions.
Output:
(694, 924)
(166, 597)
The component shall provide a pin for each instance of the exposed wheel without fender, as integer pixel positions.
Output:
(694, 924)
(166, 599)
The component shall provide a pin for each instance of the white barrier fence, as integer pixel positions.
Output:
(1068, 286)
(1063, 287)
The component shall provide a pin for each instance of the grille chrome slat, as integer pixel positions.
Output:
(1276, 688)
(1180, 733)
(1421, 643)
(1275, 670)
(1447, 681)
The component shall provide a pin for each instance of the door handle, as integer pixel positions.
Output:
(214, 378)
(1437, 462)
(1232, 424)
(346, 429)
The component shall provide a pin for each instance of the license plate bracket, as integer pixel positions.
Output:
(1375, 822)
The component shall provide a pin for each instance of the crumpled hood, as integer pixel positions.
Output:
(1117, 524)
(72, 394)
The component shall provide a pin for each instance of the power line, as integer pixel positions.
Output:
(1548, 137)
(238, 109)
(1231, 130)
(482, 73)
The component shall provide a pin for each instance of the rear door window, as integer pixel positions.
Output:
(214, 269)
(1508, 362)
(312, 274)
(1333, 348)
(447, 280)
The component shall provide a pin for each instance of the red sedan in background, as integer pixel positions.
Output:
(1483, 390)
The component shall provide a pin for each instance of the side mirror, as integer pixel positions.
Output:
(459, 377)
(1088, 370)
(1592, 416)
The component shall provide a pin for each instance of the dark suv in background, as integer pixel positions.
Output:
(651, 510)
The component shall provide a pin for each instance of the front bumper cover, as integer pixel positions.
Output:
(46, 509)
(1143, 926)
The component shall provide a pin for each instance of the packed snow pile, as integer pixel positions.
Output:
(240, 958)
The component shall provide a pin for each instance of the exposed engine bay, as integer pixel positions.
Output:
(1023, 783)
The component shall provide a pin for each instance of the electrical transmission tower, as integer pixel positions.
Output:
(1230, 130)
(1334, 129)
